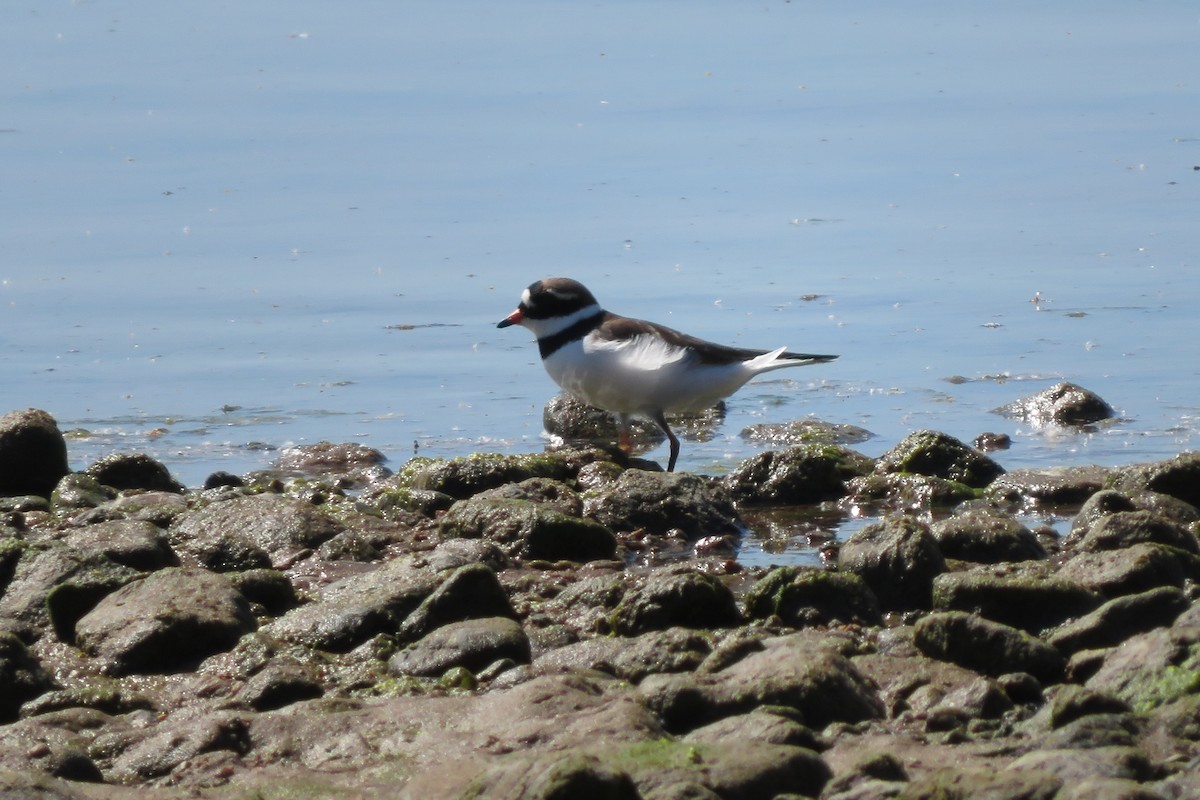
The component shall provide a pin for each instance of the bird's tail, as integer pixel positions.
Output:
(778, 359)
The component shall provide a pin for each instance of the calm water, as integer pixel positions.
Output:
(232, 227)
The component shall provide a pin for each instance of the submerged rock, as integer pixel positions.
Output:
(1062, 404)
(356, 464)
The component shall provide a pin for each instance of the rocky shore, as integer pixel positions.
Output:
(574, 624)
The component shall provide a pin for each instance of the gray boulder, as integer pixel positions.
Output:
(898, 558)
(472, 644)
(987, 647)
(165, 622)
(270, 524)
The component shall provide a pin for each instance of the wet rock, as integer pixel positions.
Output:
(802, 597)
(987, 647)
(1097, 506)
(268, 588)
(1033, 601)
(528, 530)
(124, 471)
(686, 599)
(33, 786)
(1050, 486)
(659, 502)
(557, 777)
(983, 782)
(1178, 477)
(1124, 529)
(1082, 721)
(279, 684)
(463, 477)
(873, 776)
(631, 658)
(990, 441)
(1064, 404)
(221, 479)
(33, 453)
(52, 586)
(1076, 702)
(394, 498)
(805, 431)
(760, 725)
(178, 740)
(22, 677)
(78, 490)
(472, 644)
(939, 455)
(1153, 669)
(575, 421)
(167, 621)
(1103, 788)
(1113, 573)
(350, 611)
(354, 464)
(138, 544)
(747, 769)
(233, 534)
(897, 558)
(799, 475)
(986, 538)
(942, 694)
(1119, 619)
(799, 672)
(468, 592)
(1074, 766)
(555, 494)
(907, 493)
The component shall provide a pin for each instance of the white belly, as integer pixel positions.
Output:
(632, 380)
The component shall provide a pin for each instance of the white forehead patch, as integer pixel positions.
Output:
(525, 297)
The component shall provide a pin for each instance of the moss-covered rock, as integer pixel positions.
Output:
(802, 597)
(808, 473)
(527, 530)
(941, 456)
